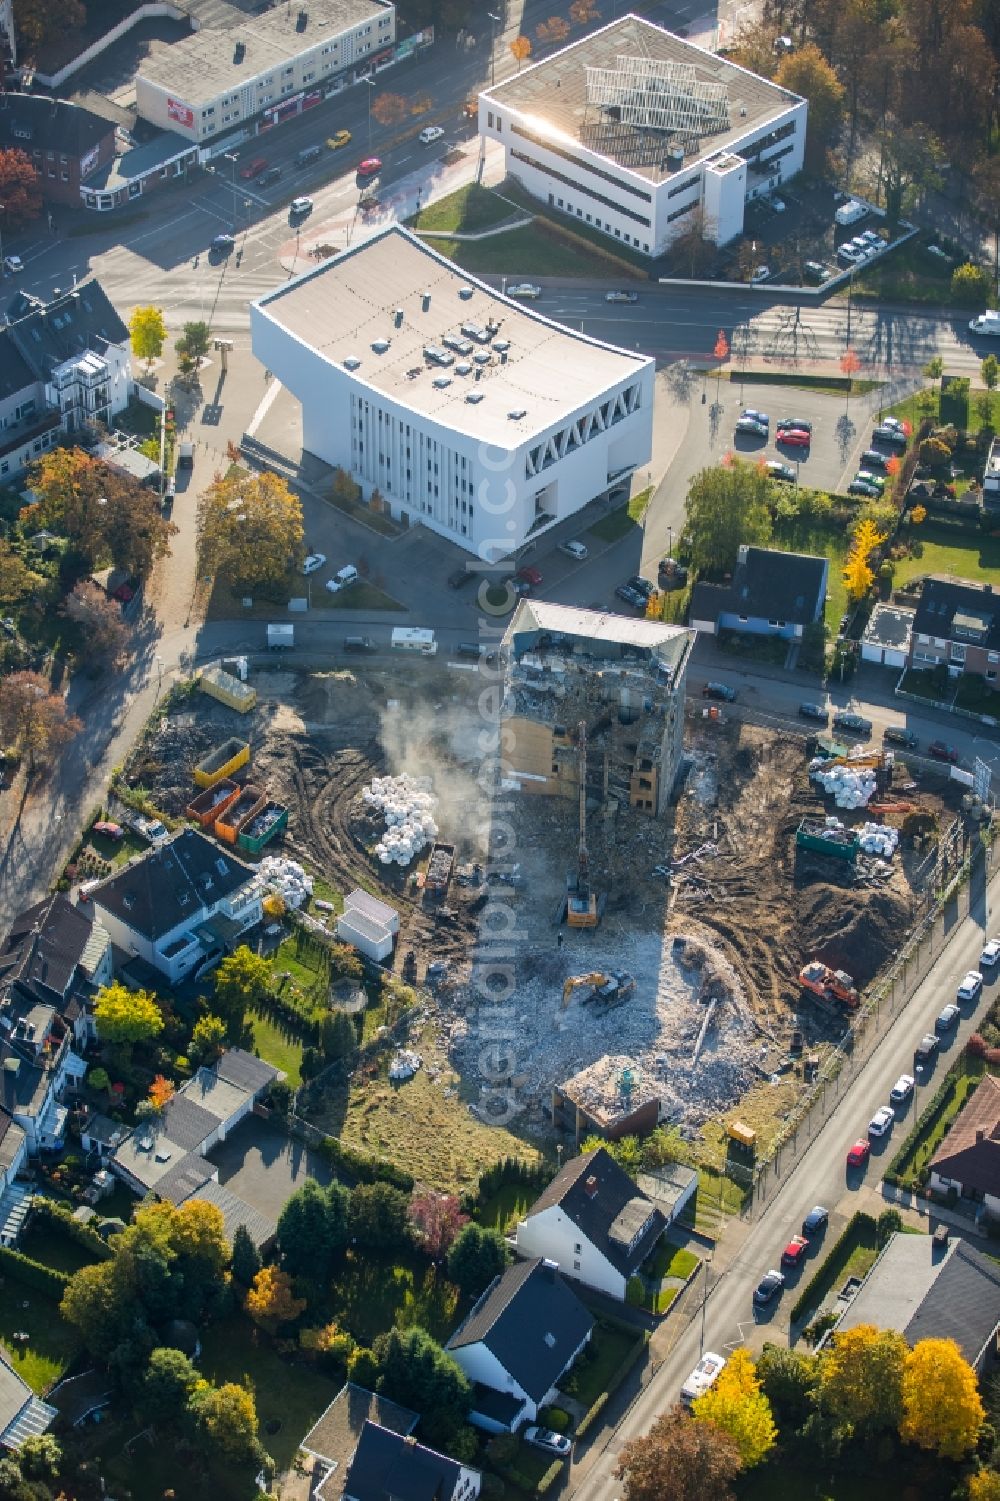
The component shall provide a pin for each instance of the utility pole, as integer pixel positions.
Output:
(706, 1268)
(494, 21)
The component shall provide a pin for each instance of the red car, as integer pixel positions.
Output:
(369, 166)
(108, 829)
(859, 1154)
(254, 168)
(795, 1252)
(794, 437)
(941, 751)
(530, 575)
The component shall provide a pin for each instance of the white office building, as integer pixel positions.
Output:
(632, 130)
(265, 69)
(466, 411)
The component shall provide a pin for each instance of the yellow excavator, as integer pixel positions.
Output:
(612, 989)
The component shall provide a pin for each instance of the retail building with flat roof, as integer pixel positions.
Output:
(634, 130)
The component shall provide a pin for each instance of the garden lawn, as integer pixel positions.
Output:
(299, 962)
(921, 1152)
(374, 1291)
(53, 1343)
(967, 555)
(805, 536)
(906, 1473)
(287, 1392)
(669, 1260)
(466, 211)
(362, 596)
(508, 1205)
(616, 523)
(43, 1243)
(536, 250)
(278, 1045)
(907, 274)
(597, 1375)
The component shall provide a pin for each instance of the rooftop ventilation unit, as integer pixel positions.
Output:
(352, 362)
(482, 358)
(239, 53)
(425, 300)
(465, 293)
(517, 414)
(472, 397)
(441, 381)
(380, 346)
(501, 345)
(302, 20)
(463, 367)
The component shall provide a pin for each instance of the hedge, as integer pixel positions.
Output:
(364, 1168)
(550, 1477)
(829, 1269)
(642, 1340)
(509, 1170)
(45, 1279)
(590, 1418)
(61, 1219)
(929, 1117)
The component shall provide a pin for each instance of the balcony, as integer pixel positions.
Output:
(18, 434)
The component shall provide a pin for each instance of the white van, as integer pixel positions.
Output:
(413, 638)
(850, 212)
(986, 323)
(702, 1377)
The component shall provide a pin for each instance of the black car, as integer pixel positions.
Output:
(768, 1288)
(642, 586)
(271, 175)
(814, 711)
(719, 690)
(223, 245)
(631, 595)
(460, 578)
(359, 644)
(815, 1221)
(896, 735)
(873, 459)
(948, 1018)
(845, 720)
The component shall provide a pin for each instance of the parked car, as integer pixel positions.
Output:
(777, 470)
(643, 586)
(752, 426)
(630, 596)
(872, 459)
(313, 563)
(575, 550)
(299, 207)
(942, 751)
(814, 711)
(863, 487)
(845, 719)
(970, 986)
(525, 289)
(759, 275)
(531, 574)
(719, 690)
(816, 271)
(926, 1048)
(883, 433)
(859, 1154)
(621, 296)
(343, 579)
(760, 417)
(359, 644)
(794, 437)
(109, 829)
(271, 175)
(13, 264)
(896, 735)
(703, 1376)
(902, 1089)
(430, 134)
(520, 586)
(254, 168)
(795, 1252)
(544, 1438)
(222, 245)
(872, 478)
(894, 422)
(768, 1288)
(947, 1018)
(881, 1121)
(796, 422)
(849, 253)
(991, 954)
(459, 577)
(815, 1221)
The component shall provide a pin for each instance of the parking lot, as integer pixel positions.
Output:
(841, 431)
(263, 1167)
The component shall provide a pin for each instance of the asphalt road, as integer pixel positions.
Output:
(815, 1174)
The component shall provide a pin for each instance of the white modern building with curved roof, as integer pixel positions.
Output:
(471, 413)
(633, 130)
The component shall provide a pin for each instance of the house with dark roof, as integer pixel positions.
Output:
(931, 1287)
(333, 1439)
(517, 1341)
(389, 1466)
(771, 593)
(182, 906)
(22, 1414)
(967, 1162)
(64, 365)
(594, 1223)
(64, 142)
(957, 623)
(13, 1194)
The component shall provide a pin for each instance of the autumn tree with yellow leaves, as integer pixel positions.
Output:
(942, 1408)
(270, 1301)
(736, 1404)
(249, 529)
(861, 1379)
(858, 575)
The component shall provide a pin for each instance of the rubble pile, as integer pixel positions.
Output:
(407, 805)
(287, 878)
(404, 1065)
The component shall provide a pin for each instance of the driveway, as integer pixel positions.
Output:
(263, 1167)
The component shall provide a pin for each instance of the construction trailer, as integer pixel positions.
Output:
(827, 837)
(212, 802)
(280, 637)
(262, 827)
(239, 813)
(370, 925)
(223, 761)
(228, 689)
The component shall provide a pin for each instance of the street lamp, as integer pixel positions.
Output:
(494, 21)
(371, 84)
(707, 1267)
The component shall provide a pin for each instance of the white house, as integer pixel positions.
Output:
(641, 135)
(181, 906)
(13, 1161)
(466, 411)
(519, 1339)
(594, 1223)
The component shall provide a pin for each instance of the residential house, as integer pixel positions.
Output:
(64, 365)
(519, 1339)
(64, 142)
(13, 1195)
(55, 955)
(593, 1222)
(182, 906)
(22, 1414)
(968, 1159)
(931, 1287)
(387, 1465)
(332, 1441)
(771, 593)
(958, 624)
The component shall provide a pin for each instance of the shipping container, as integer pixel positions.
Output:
(262, 827)
(228, 689)
(212, 803)
(239, 813)
(826, 839)
(221, 762)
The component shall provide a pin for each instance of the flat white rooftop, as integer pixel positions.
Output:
(383, 303)
(670, 78)
(596, 625)
(202, 66)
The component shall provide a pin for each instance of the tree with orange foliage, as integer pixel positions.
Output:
(582, 12)
(850, 365)
(390, 109)
(270, 1301)
(521, 48)
(161, 1091)
(555, 29)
